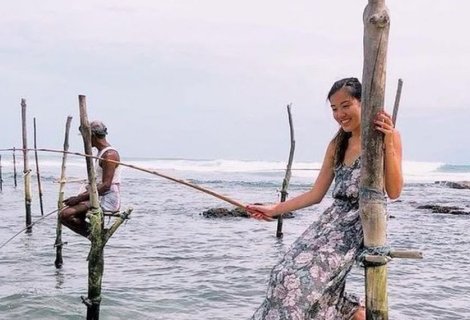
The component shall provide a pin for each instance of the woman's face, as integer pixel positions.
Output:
(346, 110)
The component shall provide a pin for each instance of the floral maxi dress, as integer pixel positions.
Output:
(309, 281)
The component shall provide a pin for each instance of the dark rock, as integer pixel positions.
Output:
(436, 208)
(237, 212)
(454, 184)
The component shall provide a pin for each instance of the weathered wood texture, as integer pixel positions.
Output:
(285, 182)
(372, 205)
(26, 170)
(60, 203)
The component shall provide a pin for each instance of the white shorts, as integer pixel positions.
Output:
(110, 201)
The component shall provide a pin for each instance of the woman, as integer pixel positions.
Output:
(309, 282)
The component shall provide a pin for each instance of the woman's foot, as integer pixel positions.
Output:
(360, 314)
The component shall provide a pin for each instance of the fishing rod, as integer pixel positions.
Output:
(191, 185)
(28, 226)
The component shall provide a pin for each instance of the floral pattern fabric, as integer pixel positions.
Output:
(309, 282)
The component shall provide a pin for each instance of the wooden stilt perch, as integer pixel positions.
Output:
(26, 170)
(372, 204)
(372, 200)
(95, 217)
(98, 235)
(38, 174)
(60, 205)
(14, 167)
(285, 182)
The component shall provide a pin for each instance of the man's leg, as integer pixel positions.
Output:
(74, 218)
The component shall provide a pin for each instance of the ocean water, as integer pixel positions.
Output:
(169, 262)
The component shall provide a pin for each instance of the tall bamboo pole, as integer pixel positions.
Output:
(26, 170)
(60, 203)
(372, 203)
(285, 182)
(38, 174)
(14, 167)
(95, 216)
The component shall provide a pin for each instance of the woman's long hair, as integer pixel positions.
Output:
(341, 139)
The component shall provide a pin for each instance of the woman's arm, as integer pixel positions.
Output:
(313, 196)
(393, 178)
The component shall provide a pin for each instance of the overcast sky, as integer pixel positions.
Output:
(211, 79)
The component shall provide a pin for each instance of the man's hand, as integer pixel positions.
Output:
(72, 201)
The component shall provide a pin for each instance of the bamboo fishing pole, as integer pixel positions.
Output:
(180, 181)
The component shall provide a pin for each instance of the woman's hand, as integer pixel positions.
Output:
(392, 155)
(266, 213)
(383, 123)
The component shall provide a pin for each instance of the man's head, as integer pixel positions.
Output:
(98, 129)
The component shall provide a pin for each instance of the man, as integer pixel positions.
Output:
(108, 176)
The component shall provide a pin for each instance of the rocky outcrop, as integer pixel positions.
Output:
(237, 212)
(436, 208)
(454, 184)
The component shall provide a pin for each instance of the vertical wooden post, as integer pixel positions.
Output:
(38, 175)
(372, 202)
(14, 167)
(397, 102)
(1, 177)
(285, 182)
(60, 203)
(95, 216)
(26, 170)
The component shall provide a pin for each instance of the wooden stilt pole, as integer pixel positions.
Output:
(38, 174)
(26, 170)
(397, 102)
(60, 203)
(14, 167)
(1, 177)
(372, 202)
(95, 216)
(285, 182)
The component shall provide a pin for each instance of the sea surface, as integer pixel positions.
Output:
(170, 262)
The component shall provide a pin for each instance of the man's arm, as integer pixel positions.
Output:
(109, 168)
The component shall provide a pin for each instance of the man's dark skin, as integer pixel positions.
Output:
(73, 216)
